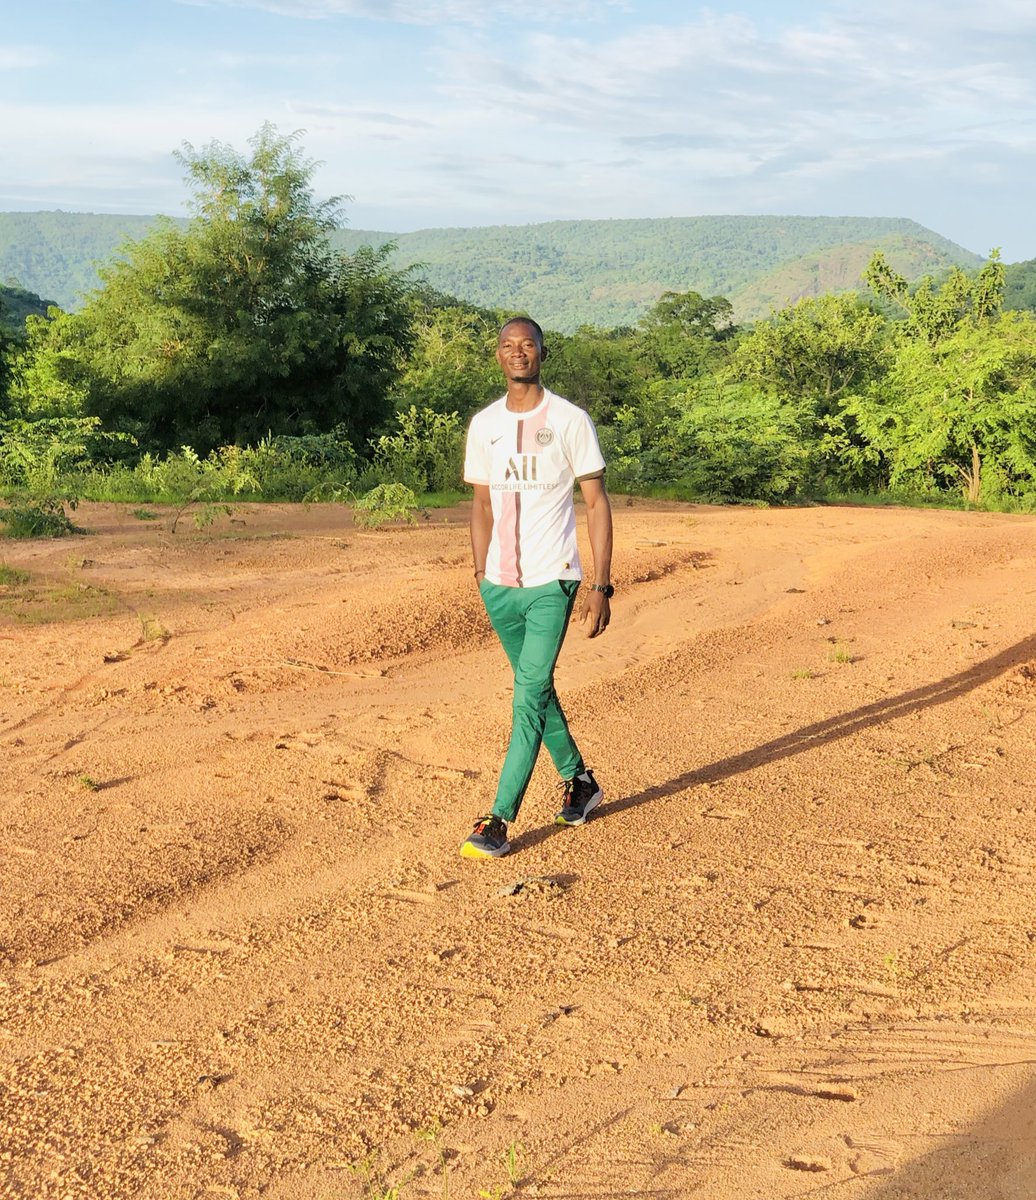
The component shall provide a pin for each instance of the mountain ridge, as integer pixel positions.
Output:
(569, 273)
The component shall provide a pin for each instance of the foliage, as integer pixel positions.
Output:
(934, 312)
(384, 503)
(42, 517)
(680, 334)
(425, 454)
(960, 412)
(594, 368)
(717, 442)
(240, 323)
(1020, 285)
(17, 303)
(33, 457)
(450, 367)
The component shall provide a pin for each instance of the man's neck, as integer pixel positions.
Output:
(523, 396)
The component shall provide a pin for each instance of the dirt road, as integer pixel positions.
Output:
(794, 954)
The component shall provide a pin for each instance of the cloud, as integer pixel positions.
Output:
(428, 12)
(308, 108)
(844, 90)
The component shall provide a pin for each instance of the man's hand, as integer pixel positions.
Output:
(596, 609)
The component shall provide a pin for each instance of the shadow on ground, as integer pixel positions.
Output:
(820, 733)
(995, 1160)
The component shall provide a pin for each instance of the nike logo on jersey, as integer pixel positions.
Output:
(493, 441)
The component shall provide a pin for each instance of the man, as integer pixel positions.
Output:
(524, 454)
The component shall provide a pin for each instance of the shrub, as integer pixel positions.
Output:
(386, 502)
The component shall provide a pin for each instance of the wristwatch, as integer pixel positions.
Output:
(607, 588)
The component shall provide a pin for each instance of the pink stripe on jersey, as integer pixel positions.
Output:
(527, 429)
(507, 540)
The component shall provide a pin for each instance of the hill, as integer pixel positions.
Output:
(1020, 285)
(567, 272)
(55, 253)
(608, 272)
(16, 304)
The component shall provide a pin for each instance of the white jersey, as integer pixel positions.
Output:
(530, 462)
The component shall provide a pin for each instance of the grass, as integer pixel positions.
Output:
(433, 1133)
(804, 673)
(91, 784)
(12, 576)
(145, 514)
(152, 630)
(840, 653)
(515, 1163)
(44, 604)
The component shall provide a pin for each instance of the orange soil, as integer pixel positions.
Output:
(793, 954)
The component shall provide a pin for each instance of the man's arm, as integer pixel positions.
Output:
(481, 527)
(599, 527)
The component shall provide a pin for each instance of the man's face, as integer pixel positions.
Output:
(519, 352)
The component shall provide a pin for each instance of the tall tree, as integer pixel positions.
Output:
(957, 405)
(241, 323)
(680, 332)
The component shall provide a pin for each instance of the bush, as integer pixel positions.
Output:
(426, 455)
(387, 502)
(40, 518)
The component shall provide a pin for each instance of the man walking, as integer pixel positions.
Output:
(524, 454)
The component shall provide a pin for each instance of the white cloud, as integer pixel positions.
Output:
(428, 12)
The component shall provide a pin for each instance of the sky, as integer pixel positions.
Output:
(434, 113)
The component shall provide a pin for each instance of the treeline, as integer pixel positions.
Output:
(241, 354)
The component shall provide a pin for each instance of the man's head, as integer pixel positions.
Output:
(520, 350)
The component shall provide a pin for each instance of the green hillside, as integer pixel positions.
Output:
(16, 304)
(607, 272)
(54, 253)
(1020, 285)
(568, 273)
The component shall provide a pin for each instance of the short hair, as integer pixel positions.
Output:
(521, 321)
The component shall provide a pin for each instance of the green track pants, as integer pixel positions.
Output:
(531, 624)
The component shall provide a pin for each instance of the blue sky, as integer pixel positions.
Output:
(472, 112)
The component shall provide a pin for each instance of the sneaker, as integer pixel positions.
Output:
(582, 796)
(487, 840)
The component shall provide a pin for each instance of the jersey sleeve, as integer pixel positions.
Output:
(476, 454)
(584, 451)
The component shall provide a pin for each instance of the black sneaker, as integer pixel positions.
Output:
(487, 840)
(582, 796)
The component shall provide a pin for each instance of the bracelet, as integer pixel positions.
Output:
(478, 572)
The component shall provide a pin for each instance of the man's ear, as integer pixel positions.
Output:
(543, 353)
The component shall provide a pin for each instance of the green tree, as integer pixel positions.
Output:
(594, 368)
(959, 412)
(933, 312)
(680, 333)
(1020, 285)
(240, 323)
(811, 358)
(451, 366)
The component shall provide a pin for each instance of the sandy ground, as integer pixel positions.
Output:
(794, 953)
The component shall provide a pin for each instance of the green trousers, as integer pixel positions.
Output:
(531, 624)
